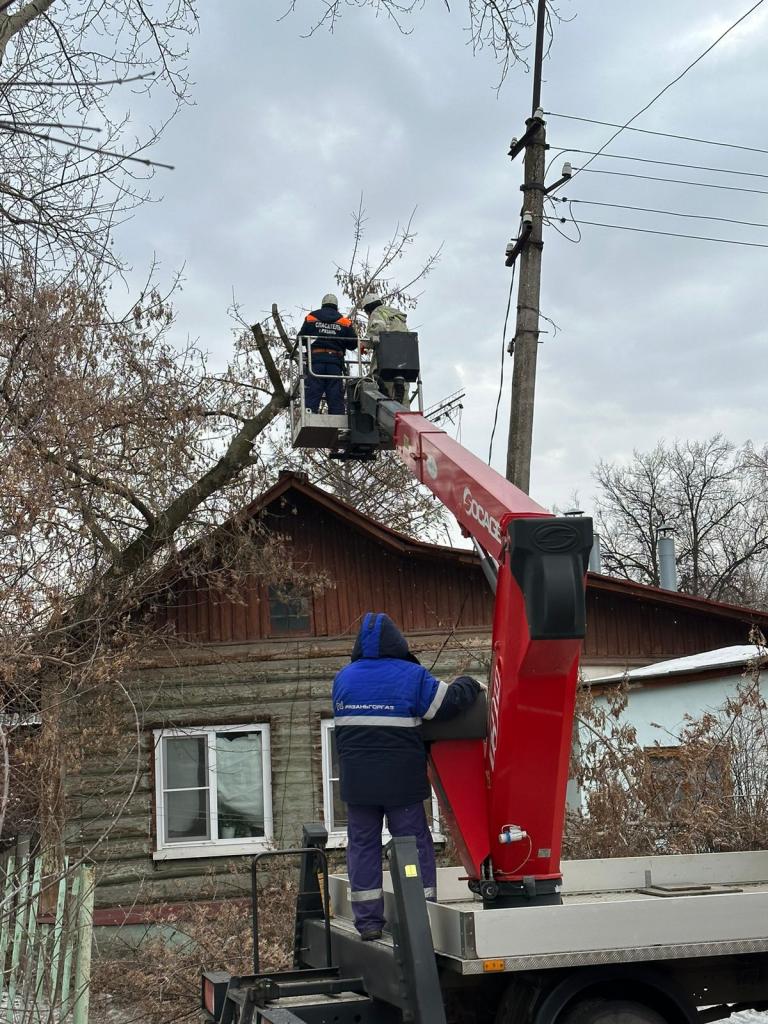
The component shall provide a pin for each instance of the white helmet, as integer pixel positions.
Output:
(330, 300)
(369, 299)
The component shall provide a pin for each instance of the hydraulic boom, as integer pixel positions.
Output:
(504, 797)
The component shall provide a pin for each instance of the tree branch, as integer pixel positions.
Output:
(269, 364)
(283, 334)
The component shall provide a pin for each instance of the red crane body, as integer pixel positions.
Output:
(504, 797)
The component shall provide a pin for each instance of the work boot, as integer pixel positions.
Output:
(371, 936)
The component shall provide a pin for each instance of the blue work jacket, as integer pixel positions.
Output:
(379, 701)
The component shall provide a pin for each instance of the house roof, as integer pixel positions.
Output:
(690, 602)
(400, 542)
(737, 656)
(298, 483)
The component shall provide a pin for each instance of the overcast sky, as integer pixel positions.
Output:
(659, 337)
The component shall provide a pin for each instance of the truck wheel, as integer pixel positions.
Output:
(611, 1011)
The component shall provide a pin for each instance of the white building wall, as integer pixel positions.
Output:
(666, 705)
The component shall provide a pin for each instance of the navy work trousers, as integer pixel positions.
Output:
(364, 825)
(317, 387)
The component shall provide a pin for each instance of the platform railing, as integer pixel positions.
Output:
(302, 366)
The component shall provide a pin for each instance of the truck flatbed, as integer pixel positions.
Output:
(620, 910)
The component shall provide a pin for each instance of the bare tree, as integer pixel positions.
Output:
(500, 26)
(711, 495)
(74, 162)
(121, 456)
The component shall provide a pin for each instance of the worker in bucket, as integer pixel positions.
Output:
(329, 335)
(379, 701)
(382, 317)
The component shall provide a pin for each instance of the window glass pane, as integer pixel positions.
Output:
(339, 809)
(187, 815)
(288, 611)
(334, 755)
(240, 784)
(186, 760)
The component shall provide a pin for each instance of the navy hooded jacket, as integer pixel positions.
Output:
(329, 331)
(379, 701)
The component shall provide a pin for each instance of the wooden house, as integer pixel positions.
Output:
(234, 723)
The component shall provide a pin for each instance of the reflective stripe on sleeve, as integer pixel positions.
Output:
(366, 894)
(398, 723)
(430, 892)
(434, 707)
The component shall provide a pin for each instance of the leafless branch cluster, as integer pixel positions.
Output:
(385, 490)
(156, 982)
(369, 271)
(712, 497)
(121, 457)
(700, 789)
(76, 163)
(501, 26)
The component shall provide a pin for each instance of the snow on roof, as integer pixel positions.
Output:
(723, 657)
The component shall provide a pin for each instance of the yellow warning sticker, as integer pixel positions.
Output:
(410, 871)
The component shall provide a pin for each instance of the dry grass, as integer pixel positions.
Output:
(159, 980)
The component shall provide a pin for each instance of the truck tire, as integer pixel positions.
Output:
(611, 1011)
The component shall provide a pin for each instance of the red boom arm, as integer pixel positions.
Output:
(521, 769)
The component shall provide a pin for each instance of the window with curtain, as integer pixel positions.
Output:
(213, 790)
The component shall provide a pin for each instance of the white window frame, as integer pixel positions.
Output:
(213, 847)
(337, 839)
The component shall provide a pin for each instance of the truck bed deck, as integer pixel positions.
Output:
(614, 911)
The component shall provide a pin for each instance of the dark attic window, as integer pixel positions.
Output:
(289, 611)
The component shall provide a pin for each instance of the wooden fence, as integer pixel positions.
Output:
(45, 960)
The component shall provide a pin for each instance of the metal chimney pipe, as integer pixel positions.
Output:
(595, 555)
(667, 563)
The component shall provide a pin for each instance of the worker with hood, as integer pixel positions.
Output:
(329, 335)
(382, 317)
(379, 701)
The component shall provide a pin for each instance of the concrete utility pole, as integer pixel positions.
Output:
(526, 342)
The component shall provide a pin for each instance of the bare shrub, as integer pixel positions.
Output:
(158, 980)
(704, 790)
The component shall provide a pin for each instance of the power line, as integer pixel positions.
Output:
(668, 234)
(501, 374)
(88, 149)
(12, 125)
(663, 163)
(674, 81)
(77, 85)
(673, 181)
(665, 135)
(666, 213)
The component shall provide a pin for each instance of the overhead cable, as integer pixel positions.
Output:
(675, 80)
(88, 149)
(662, 163)
(501, 372)
(668, 234)
(666, 213)
(665, 135)
(674, 181)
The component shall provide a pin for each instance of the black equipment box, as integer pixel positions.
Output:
(397, 355)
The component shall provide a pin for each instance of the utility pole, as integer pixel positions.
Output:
(526, 340)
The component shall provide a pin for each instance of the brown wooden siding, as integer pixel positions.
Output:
(420, 592)
(630, 628)
(424, 592)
